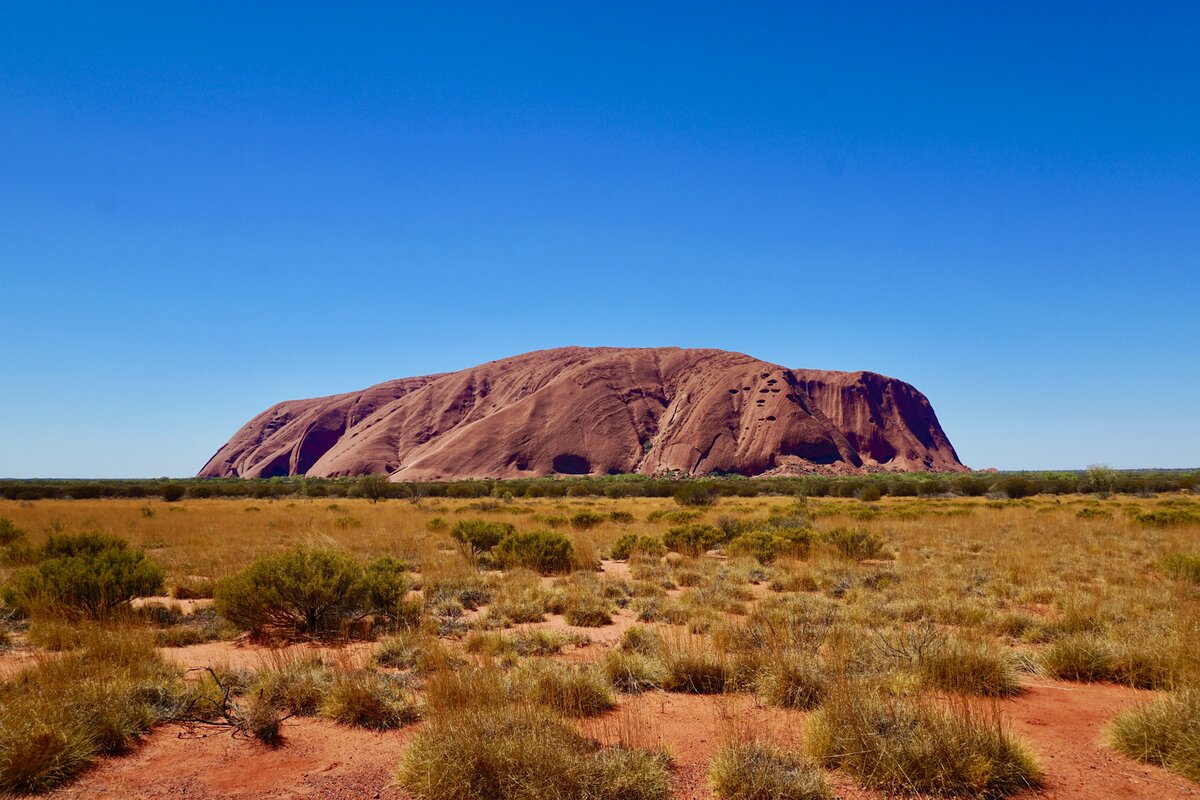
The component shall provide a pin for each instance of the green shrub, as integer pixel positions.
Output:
(701, 493)
(763, 546)
(1165, 731)
(913, 746)
(301, 591)
(522, 752)
(546, 552)
(479, 536)
(172, 492)
(9, 533)
(82, 575)
(757, 771)
(1169, 517)
(386, 583)
(586, 520)
(856, 544)
(370, 700)
(630, 544)
(621, 517)
(694, 539)
(1185, 566)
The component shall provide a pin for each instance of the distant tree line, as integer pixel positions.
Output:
(690, 491)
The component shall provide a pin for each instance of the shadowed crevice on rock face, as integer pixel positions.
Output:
(580, 411)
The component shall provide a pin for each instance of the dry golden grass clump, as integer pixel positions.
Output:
(571, 689)
(907, 744)
(370, 700)
(1165, 731)
(522, 752)
(481, 742)
(296, 686)
(758, 771)
(57, 717)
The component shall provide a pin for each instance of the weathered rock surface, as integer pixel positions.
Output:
(580, 410)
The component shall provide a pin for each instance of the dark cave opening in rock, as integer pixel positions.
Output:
(571, 464)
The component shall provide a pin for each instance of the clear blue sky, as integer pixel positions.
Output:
(205, 210)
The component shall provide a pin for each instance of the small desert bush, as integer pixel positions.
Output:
(856, 544)
(1169, 517)
(1185, 566)
(519, 597)
(571, 689)
(758, 771)
(297, 686)
(909, 745)
(463, 585)
(969, 667)
(631, 544)
(640, 639)
(585, 520)
(307, 592)
(1165, 731)
(791, 681)
(479, 536)
(634, 672)
(692, 667)
(693, 539)
(583, 604)
(261, 719)
(546, 552)
(412, 650)
(370, 700)
(697, 494)
(9, 532)
(523, 752)
(1089, 658)
(82, 575)
(58, 716)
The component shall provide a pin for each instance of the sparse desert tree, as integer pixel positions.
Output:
(375, 487)
(1102, 479)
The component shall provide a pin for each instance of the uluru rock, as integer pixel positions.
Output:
(596, 411)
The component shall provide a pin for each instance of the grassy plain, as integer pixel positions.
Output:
(896, 635)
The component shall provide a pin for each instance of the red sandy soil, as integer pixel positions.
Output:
(1062, 723)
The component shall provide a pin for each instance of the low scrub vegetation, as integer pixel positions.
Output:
(1165, 731)
(57, 717)
(757, 771)
(370, 700)
(309, 592)
(909, 745)
(523, 752)
(547, 552)
(87, 575)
